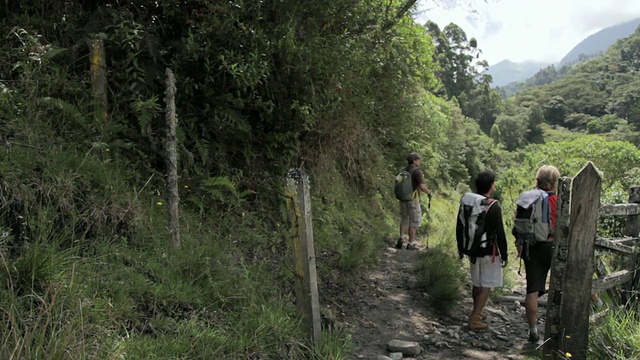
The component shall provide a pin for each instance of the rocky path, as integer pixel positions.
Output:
(386, 305)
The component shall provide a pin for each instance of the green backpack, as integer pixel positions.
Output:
(404, 186)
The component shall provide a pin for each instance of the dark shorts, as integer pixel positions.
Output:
(537, 263)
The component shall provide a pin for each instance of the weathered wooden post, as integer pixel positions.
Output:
(304, 258)
(572, 266)
(632, 229)
(99, 79)
(172, 159)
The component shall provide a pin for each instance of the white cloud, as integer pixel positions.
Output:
(519, 30)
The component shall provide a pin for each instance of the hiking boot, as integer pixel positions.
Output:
(475, 323)
(413, 246)
(399, 244)
(533, 337)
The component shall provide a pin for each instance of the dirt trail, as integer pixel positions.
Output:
(387, 305)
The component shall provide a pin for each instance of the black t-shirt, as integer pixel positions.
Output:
(494, 228)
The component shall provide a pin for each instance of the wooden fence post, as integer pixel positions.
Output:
(172, 159)
(632, 229)
(572, 266)
(99, 80)
(557, 268)
(304, 258)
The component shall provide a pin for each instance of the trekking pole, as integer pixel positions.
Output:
(428, 219)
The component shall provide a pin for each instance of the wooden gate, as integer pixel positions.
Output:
(579, 254)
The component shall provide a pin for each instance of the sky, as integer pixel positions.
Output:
(528, 30)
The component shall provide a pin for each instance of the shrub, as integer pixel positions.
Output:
(617, 337)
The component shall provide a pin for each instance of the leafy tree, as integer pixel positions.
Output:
(556, 110)
(578, 121)
(512, 130)
(461, 77)
(604, 125)
(534, 129)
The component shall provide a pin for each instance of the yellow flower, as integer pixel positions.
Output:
(568, 354)
(186, 186)
(159, 203)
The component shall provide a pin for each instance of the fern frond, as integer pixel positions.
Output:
(222, 189)
(66, 107)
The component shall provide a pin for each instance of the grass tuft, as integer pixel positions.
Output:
(617, 336)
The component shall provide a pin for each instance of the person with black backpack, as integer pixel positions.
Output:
(408, 184)
(534, 229)
(480, 235)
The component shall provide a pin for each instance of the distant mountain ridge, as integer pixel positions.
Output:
(506, 72)
(599, 42)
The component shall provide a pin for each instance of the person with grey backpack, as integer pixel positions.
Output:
(408, 184)
(534, 230)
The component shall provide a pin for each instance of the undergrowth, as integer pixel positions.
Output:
(440, 273)
(87, 270)
(617, 336)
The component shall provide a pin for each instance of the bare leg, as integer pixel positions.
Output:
(531, 307)
(404, 229)
(412, 234)
(480, 297)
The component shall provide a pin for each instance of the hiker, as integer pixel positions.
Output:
(485, 266)
(537, 258)
(410, 211)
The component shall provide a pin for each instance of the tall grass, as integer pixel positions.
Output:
(617, 336)
(440, 273)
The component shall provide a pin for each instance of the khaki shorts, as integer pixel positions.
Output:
(486, 272)
(410, 213)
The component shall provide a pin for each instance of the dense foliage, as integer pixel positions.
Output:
(343, 89)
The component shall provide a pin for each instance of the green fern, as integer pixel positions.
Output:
(66, 107)
(217, 186)
(146, 110)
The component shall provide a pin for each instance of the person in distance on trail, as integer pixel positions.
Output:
(537, 258)
(410, 211)
(485, 267)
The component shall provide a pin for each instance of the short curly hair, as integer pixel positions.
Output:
(547, 177)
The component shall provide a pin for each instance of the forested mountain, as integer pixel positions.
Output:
(598, 43)
(598, 96)
(511, 76)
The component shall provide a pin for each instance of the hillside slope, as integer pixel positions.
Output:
(507, 71)
(599, 42)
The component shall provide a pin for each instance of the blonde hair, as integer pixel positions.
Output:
(547, 177)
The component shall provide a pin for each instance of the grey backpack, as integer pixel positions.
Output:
(532, 223)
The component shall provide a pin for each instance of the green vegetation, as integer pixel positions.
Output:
(342, 89)
(440, 273)
(616, 336)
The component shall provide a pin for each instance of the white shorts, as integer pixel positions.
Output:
(486, 272)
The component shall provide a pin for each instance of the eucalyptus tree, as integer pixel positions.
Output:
(462, 74)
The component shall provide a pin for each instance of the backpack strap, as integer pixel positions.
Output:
(411, 170)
